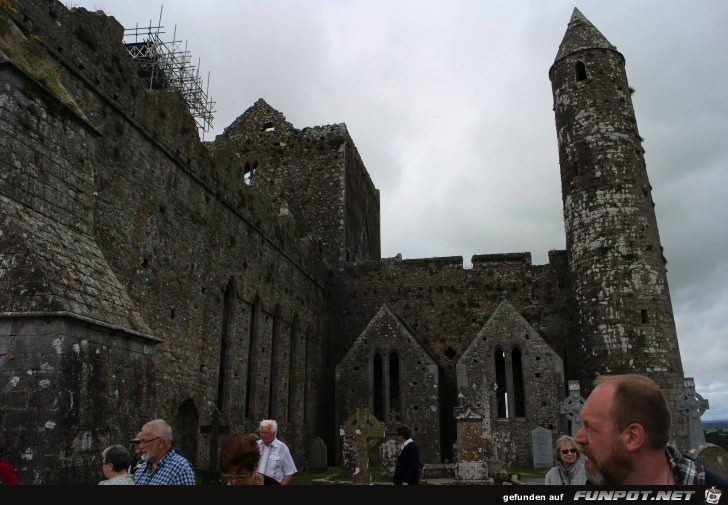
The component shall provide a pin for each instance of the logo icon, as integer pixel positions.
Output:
(712, 495)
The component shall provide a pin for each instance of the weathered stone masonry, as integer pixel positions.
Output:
(624, 320)
(168, 231)
(146, 274)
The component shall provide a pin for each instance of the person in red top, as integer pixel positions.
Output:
(7, 471)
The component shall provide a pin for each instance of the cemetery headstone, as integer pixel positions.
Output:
(542, 447)
(318, 461)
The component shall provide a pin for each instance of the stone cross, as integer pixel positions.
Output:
(215, 429)
(692, 406)
(361, 432)
(392, 416)
(572, 406)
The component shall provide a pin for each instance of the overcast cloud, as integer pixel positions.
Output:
(450, 106)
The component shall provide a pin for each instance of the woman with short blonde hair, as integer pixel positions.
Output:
(569, 465)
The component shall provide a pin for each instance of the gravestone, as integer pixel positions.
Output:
(471, 465)
(572, 405)
(542, 447)
(361, 432)
(388, 452)
(692, 406)
(318, 461)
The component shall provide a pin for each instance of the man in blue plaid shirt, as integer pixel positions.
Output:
(163, 466)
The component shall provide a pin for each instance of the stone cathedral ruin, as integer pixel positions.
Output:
(145, 273)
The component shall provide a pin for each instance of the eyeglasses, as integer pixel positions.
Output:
(143, 441)
(232, 479)
(567, 451)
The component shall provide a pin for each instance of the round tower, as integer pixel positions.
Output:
(624, 320)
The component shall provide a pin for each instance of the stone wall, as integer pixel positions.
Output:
(319, 175)
(134, 227)
(388, 371)
(508, 432)
(145, 274)
(447, 306)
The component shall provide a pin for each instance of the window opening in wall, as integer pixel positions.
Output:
(386, 401)
(645, 316)
(519, 396)
(249, 170)
(293, 379)
(378, 386)
(501, 390)
(510, 389)
(450, 353)
(249, 393)
(580, 71)
(227, 327)
(394, 402)
(276, 356)
(309, 349)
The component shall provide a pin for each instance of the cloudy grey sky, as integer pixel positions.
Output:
(449, 104)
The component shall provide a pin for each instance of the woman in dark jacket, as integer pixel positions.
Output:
(408, 468)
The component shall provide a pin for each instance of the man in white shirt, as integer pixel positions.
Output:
(275, 458)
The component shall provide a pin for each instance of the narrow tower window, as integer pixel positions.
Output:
(645, 316)
(580, 71)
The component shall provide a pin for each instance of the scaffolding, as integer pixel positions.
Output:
(165, 66)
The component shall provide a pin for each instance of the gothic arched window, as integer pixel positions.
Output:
(510, 392)
(394, 407)
(519, 396)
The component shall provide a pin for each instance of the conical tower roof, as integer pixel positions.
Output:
(581, 35)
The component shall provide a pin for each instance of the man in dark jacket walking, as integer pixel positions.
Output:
(408, 468)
